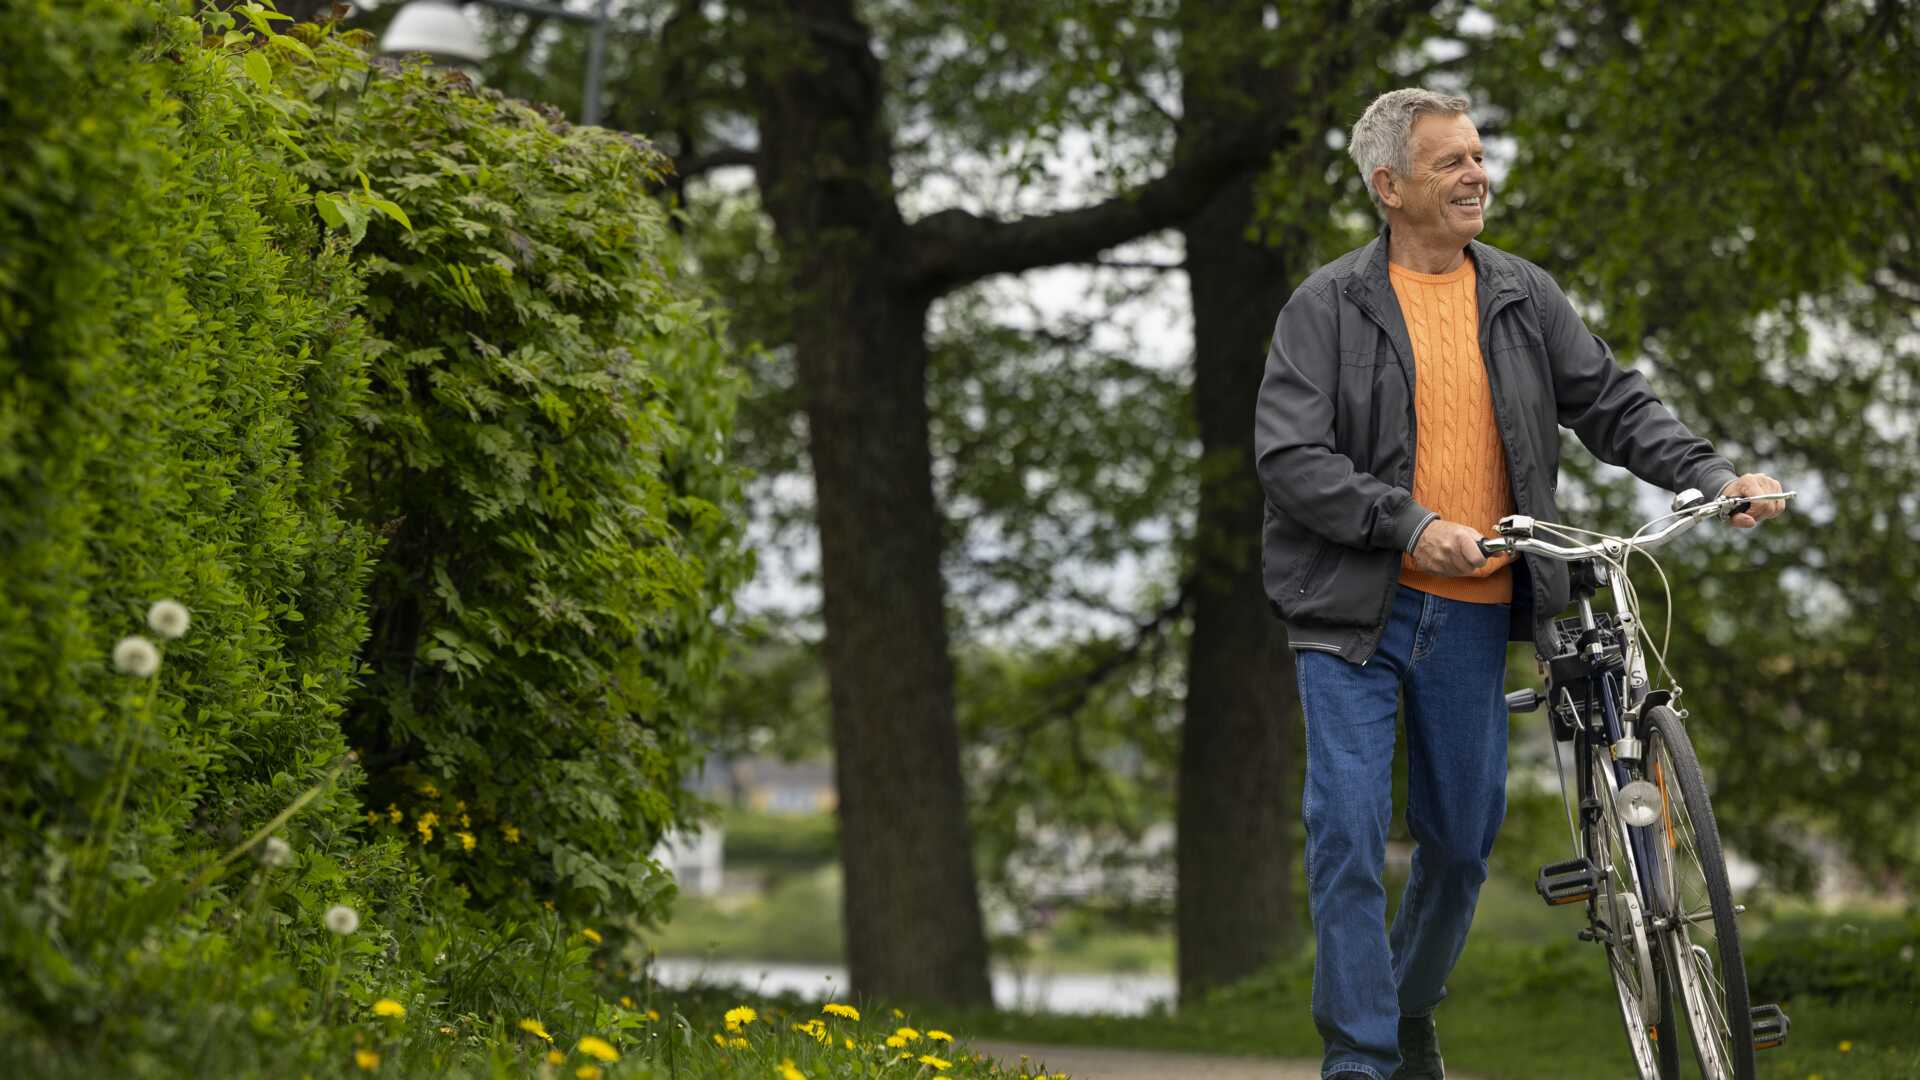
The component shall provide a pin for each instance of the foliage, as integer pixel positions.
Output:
(224, 381)
(178, 370)
(1833, 958)
(1733, 199)
(545, 455)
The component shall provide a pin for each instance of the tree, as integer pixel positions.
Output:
(863, 279)
(1732, 196)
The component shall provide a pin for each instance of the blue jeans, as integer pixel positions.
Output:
(1449, 658)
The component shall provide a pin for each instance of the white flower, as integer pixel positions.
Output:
(136, 656)
(168, 618)
(342, 919)
(275, 852)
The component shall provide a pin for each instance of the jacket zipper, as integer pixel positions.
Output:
(1413, 445)
(1500, 412)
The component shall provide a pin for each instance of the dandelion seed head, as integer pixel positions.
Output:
(168, 618)
(341, 919)
(275, 852)
(136, 656)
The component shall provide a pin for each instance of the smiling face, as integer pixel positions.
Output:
(1445, 200)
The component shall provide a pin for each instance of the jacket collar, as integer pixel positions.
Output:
(1369, 284)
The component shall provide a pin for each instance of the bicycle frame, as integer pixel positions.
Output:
(1617, 720)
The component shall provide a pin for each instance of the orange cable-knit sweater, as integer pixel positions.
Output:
(1459, 469)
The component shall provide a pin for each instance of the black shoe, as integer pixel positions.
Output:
(1419, 1051)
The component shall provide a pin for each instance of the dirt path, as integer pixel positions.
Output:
(1093, 1063)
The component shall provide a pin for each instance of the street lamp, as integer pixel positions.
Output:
(446, 30)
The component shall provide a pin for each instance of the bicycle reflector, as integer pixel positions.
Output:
(1639, 804)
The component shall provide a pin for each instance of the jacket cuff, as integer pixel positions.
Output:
(1714, 480)
(1409, 523)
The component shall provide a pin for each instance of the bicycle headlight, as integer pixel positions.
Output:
(1639, 804)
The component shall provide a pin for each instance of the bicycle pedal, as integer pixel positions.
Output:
(1769, 1026)
(1567, 882)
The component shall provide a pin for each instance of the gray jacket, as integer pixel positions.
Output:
(1334, 439)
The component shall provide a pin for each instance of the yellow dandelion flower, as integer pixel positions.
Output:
(389, 1007)
(429, 790)
(738, 1043)
(446, 1029)
(898, 1015)
(511, 832)
(626, 1002)
(588, 1072)
(534, 1027)
(739, 1015)
(467, 841)
(460, 806)
(590, 934)
(394, 815)
(836, 1009)
(373, 817)
(719, 1039)
(426, 823)
(904, 1057)
(366, 1059)
(596, 1047)
(548, 904)
(908, 1034)
(789, 1072)
(555, 1057)
(896, 1041)
(1846, 1046)
(653, 1014)
(929, 1059)
(939, 1036)
(849, 1042)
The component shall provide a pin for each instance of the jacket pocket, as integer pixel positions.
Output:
(1320, 552)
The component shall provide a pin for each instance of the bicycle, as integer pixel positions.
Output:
(1648, 864)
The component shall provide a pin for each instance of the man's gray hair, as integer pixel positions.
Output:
(1381, 135)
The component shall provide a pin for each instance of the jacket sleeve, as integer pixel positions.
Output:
(1615, 411)
(1300, 470)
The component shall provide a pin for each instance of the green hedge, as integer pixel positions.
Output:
(397, 388)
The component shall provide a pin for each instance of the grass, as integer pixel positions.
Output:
(1515, 1012)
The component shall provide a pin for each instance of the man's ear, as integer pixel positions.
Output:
(1382, 181)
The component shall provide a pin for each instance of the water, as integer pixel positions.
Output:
(1054, 992)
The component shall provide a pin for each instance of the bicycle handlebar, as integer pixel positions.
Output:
(1516, 530)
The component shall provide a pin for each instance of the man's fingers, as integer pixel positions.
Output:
(1743, 521)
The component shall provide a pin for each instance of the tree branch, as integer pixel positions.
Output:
(954, 247)
(699, 164)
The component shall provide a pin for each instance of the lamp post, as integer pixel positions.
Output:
(445, 29)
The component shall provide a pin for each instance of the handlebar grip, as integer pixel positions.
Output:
(1489, 547)
(1740, 507)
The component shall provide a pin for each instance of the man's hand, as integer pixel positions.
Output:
(1746, 486)
(1449, 549)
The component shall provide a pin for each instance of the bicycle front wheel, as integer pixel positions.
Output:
(1625, 928)
(1701, 943)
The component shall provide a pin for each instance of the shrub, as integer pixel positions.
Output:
(473, 523)
(543, 456)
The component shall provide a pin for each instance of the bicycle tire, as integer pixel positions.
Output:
(1613, 910)
(1701, 940)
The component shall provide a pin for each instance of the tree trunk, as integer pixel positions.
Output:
(912, 913)
(1234, 906)
(1239, 745)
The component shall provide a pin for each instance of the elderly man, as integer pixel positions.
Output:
(1412, 397)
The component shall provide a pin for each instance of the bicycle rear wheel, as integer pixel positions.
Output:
(1639, 981)
(1700, 941)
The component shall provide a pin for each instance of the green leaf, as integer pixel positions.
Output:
(329, 207)
(258, 69)
(392, 210)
